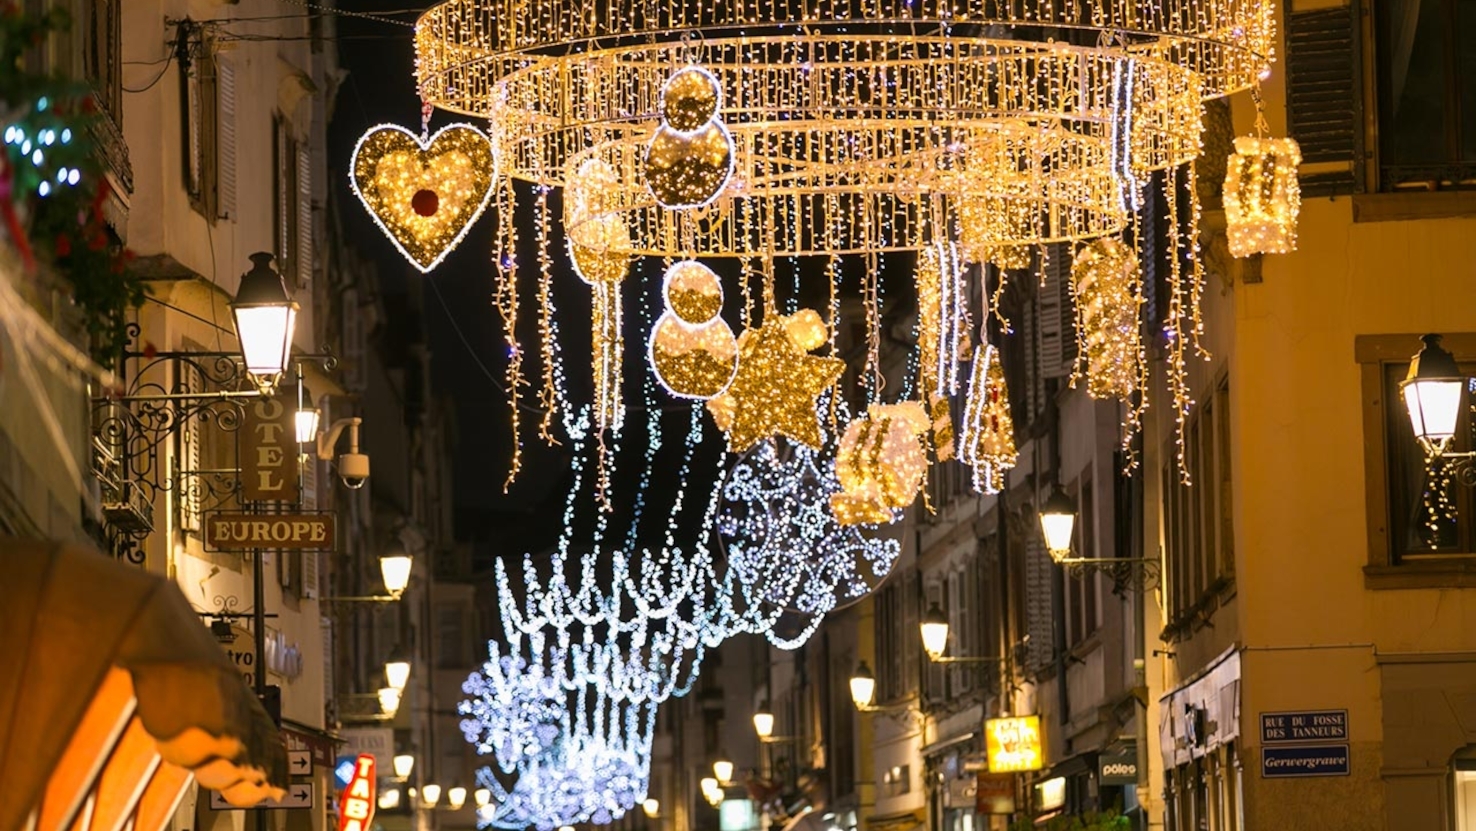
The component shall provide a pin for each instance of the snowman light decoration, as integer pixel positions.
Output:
(690, 158)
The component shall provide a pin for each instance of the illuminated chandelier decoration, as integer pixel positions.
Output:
(1263, 195)
(785, 549)
(784, 129)
(425, 192)
(987, 441)
(881, 462)
(1107, 293)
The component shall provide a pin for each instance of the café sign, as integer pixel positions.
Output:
(239, 532)
(1013, 744)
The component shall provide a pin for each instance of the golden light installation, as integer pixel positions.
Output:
(774, 390)
(881, 462)
(786, 128)
(1262, 196)
(987, 441)
(1107, 293)
(423, 193)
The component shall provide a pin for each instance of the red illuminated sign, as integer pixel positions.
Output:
(356, 808)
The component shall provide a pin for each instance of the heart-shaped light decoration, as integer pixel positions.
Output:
(424, 195)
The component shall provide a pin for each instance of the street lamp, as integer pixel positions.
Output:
(763, 723)
(1432, 395)
(307, 416)
(934, 629)
(455, 798)
(1057, 520)
(266, 318)
(403, 763)
(431, 794)
(712, 791)
(482, 797)
(397, 670)
(723, 769)
(389, 700)
(395, 569)
(652, 807)
(863, 686)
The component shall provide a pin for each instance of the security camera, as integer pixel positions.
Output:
(353, 466)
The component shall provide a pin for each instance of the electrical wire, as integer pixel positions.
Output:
(346, 13)
(157, 78)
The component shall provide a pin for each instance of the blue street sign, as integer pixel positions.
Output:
(1304, 760)
(344, 770)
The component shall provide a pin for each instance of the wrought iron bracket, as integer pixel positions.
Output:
(1128, 574)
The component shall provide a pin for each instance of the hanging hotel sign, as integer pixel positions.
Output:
(356, 808)
(1013, 744)
(269, 451)
(240, 532)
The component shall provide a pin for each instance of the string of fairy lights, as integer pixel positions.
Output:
(714, 148)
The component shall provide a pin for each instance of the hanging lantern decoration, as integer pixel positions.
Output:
(598, 240)
(942, 319)
(1262, 196)
(426, 192)
(1107, 291)
(881, 462)
(987, 441)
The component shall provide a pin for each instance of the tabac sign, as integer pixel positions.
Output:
(240, 532)
(356, 809)
(269, 451)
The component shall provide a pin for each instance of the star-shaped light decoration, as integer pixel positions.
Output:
(775, 389)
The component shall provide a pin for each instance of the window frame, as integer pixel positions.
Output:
(1384, 570)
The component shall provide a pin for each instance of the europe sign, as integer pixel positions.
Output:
(239, 532)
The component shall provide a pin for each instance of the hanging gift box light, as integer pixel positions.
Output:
(881, 462)
(1262, 196)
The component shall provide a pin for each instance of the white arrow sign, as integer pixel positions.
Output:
(299, 763)
(298, 796)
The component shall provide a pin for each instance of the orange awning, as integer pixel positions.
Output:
(113, 695)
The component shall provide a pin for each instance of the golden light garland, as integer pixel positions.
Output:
(774, 390)
(1263, 196)
(423, 193)
(597, 240)
(987, 441)
(1107, 293)
(881, 462)
(943, 320)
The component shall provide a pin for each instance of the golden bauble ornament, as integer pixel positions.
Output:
(693, 361)
(690, 99)
(688, 171)
(694, 295)
(424, 194)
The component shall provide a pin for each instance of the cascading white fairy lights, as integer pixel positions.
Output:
(785, 550)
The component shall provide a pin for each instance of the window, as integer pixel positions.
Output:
(1420, 528)
(101, 53)
(1198, 518)
(1426, 98)
(285, 189)
(1465, 790)
(199, 120)
(1083, 590)
(897, 641)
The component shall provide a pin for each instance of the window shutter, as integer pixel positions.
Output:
(308, 588)
(1038, 619)
(225, 138)
(189, 514)
(304, 216)
(1324, 99)
(328, 658)
(1054, 313)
